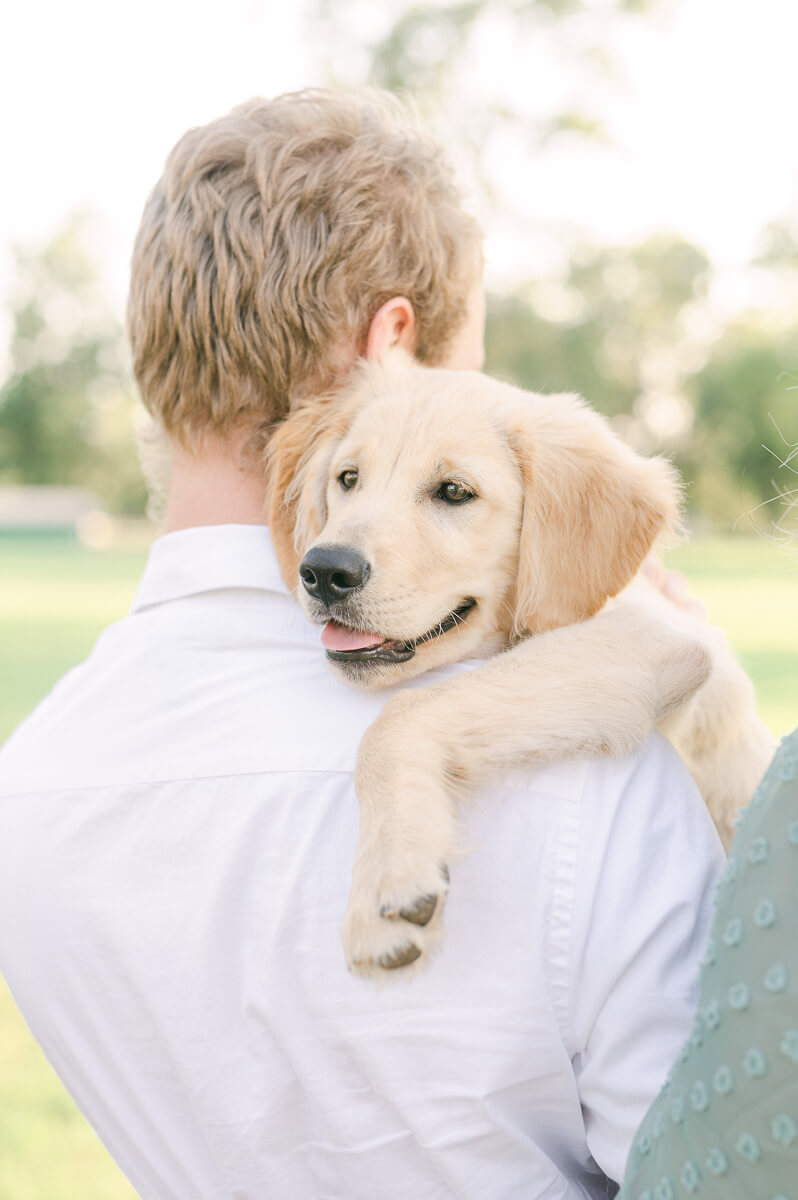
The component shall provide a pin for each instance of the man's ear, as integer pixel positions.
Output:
(297, 459)
(592, 511)
(394, 324)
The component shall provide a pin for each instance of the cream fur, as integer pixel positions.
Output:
(564, 515)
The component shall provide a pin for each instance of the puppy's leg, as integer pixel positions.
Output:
(717, 733)
(595, 688)
(407, 832)
(724, 744)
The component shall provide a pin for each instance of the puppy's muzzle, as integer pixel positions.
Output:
(331, 573)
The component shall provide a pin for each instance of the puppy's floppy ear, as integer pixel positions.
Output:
(592, 511)
(297, 458)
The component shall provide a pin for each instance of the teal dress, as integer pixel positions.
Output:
(726, 1123)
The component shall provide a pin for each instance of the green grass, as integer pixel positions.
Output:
(750, 588)
(55, 597)
(47, 1150)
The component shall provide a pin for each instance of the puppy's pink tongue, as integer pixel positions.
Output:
(338, 637)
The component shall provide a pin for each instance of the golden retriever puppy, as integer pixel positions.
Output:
(427, 516)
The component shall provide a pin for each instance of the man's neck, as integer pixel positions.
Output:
(215, 485)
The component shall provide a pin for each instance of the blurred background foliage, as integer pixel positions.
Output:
(636, 328)
(67, 404)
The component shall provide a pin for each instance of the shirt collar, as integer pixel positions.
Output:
(207, 558)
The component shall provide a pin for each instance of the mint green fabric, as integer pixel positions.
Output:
(726, 1123)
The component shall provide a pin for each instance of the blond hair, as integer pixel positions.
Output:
(272, 239)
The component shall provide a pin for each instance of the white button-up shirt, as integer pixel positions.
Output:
(177, 830)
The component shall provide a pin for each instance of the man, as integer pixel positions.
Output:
(177, 819)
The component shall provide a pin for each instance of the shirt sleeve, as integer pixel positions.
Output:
(727, 1123)
(647, 862)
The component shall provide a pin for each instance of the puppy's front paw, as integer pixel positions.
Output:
(393, 918)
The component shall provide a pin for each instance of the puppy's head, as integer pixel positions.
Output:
(426, 516)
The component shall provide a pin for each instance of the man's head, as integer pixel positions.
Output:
(275, 239)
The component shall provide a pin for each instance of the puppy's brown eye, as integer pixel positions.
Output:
(347, 479)
(454, 493)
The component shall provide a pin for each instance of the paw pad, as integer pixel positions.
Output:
(420, 913)
(402, 957)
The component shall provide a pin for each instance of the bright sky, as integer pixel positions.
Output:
(703, 120)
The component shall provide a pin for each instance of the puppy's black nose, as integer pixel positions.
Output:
(331, 573)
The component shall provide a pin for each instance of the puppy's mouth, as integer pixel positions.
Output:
(354, 646)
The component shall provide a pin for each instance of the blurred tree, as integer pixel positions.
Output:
(433, 51)
(610, 329)
(67, 404)
(627, 328)
(780, 244)
(746, 425)
(418, 47)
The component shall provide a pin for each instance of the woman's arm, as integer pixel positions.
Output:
(726, 1125)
